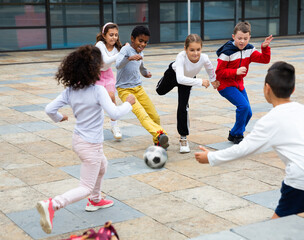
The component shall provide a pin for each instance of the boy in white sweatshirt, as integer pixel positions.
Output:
(282, 130)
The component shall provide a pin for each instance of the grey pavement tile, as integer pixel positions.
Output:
(5, 89)
(17, 81)
(73, 218)
(267, 199)
(28, 108)
(249, 126)
(224, 235)
(290, 227)
(257, 107)
(131, 115)
(134, 130)
(119, 167)
(49, 95)
(10, 129)
(64, 221)
(117, 213)
(220, 145)
(36, 126)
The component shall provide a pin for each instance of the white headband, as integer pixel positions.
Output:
(104, 26)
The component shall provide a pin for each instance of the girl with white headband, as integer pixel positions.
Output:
(108, 43)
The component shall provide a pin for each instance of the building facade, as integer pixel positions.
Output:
(56, 24)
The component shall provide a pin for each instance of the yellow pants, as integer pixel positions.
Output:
(143, 109)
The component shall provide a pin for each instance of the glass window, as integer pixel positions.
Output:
(174, 32)
(218, 30)
(22, 1)
(131, 1)
(23, 15)
(219, 10)
(302, 17)
(73, 37)
(264, 27)
(62, 15)
(262, 8)
(107, 13)
(132, 13)
(22, 39)
(292, 16)
(179, 11)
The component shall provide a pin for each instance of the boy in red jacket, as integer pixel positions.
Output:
(234, 58)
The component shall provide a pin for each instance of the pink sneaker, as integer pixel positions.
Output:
(103, 203)
(46, 211)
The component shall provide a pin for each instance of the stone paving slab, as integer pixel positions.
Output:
(224, 235)
(267, 199)
(220, 145)
(119, 167)
(73, 218)
(290, 227)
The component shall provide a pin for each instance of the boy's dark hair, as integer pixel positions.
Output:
(244, 27)
(140, 30)
(281, 79)
(80, 68)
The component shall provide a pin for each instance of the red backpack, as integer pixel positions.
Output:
(107, 232)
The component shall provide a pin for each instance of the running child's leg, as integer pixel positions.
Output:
(236, 97)
(183, 117)
(249, 115)
(107, 79)
(151, 126)
(90, 170)
(167, 82)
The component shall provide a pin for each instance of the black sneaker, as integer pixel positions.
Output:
(163, 141)
(235, 139)
(230, 137)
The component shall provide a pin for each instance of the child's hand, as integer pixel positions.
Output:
(205, 83)
(216, 84)
(267, 41)
(65, 118)
(149, 75)
(241, 71)
(135, 57)
(202, 157)
(131, 99)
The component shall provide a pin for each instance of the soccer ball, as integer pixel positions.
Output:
(155, 157)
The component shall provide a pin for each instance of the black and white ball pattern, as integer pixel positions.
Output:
(155, 157)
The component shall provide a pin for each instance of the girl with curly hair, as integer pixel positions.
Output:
(109, 44)
(78, 73)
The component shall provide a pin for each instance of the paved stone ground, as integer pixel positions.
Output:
(184, 200)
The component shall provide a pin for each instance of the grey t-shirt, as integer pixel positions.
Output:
(128, 72)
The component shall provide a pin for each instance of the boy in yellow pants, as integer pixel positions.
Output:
(129, 64)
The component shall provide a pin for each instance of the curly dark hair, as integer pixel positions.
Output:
(80, 68)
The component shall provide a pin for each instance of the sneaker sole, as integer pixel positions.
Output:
(184, 151)
(43, 219)
(92, 208)
(164, 141)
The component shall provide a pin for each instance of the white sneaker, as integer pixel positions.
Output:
(184, 146)
(116, 132)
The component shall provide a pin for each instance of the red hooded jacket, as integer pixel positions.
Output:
(230, 58)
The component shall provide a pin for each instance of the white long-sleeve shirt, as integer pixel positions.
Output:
(108, 57)
(88, 105)
(282, 130)
(187, 70)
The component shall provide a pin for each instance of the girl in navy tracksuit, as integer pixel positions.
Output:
(234, 58)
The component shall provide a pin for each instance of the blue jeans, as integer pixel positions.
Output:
(243, 110)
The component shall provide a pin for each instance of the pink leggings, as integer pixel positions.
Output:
(93, 167)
